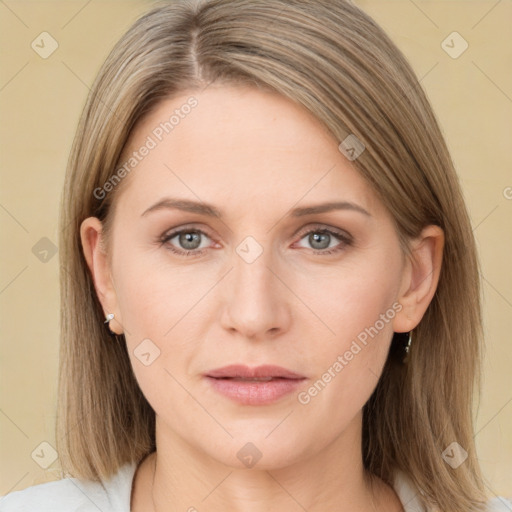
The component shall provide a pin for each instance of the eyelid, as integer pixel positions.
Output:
(186, 227)
(324, 227)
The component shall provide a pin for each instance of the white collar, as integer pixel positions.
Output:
(407, 493)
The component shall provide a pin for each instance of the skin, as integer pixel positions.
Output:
(255, 155)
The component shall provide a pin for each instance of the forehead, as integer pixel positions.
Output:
(236, 144)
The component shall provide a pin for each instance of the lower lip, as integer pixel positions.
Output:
(255, 392)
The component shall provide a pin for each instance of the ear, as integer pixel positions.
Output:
(420, 278)
(97, 261)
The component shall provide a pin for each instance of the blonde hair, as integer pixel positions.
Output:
(334, 60)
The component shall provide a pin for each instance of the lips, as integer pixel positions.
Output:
(261, 385)
(258, 373)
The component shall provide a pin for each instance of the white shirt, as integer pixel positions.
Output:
(73, 495)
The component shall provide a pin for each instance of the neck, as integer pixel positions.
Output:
(178, 477)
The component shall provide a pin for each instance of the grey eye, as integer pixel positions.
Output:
(189, 240)
(319, 240)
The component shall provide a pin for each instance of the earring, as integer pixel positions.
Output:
(407, 348)
(401, 346)
(109, 317)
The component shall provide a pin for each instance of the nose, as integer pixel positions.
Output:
(256, 300)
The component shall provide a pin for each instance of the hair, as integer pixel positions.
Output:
(331, 58)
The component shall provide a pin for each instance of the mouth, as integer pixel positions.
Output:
(262, 385)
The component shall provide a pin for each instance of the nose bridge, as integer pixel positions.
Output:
(253, 279)
(255, 301)
(252, 276)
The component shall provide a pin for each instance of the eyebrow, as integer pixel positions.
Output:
(209, 210)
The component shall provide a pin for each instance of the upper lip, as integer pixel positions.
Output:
(240, 370)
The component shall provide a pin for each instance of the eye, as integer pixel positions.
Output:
(188, 241)
(191, 242)
(321, 239)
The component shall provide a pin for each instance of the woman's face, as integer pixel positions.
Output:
(264, 281)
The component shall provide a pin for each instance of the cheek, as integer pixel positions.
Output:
(358, 305)
(158, 302)
(152, 294)
(353, 296)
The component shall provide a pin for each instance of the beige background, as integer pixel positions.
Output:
(40, 101)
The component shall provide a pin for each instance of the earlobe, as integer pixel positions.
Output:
(97, 261)
(420, 278)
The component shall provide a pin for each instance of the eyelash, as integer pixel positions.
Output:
(345, 240)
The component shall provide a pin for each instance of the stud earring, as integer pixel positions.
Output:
(110, 317)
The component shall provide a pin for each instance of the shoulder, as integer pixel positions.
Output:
(408, 495)
(74, 495)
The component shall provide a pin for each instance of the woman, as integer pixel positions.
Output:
(269, 278)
